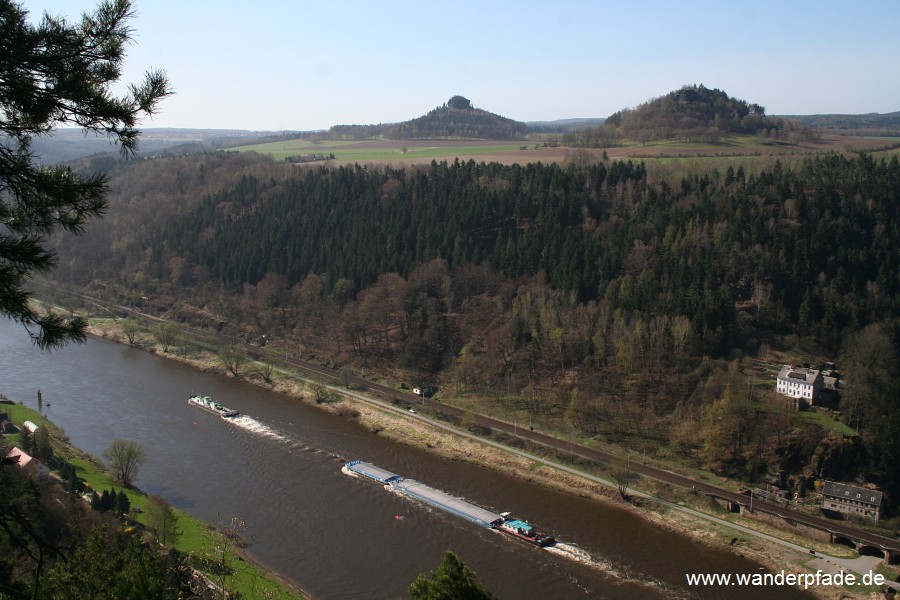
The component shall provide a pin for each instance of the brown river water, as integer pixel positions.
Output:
(278, 467)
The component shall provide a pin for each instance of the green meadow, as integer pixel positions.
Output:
(368, 151)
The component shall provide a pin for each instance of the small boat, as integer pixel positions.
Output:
(207, 404)
(524, 531)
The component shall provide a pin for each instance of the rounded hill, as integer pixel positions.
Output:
(455, 119)
(697, 112)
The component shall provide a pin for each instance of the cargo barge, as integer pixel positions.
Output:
(207, 404)
(457, 506)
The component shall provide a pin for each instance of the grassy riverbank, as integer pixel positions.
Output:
(199, 540)
(400, 428)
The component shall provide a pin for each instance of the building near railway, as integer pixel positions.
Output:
(852, 500)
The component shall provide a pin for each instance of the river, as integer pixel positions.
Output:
(278, 468)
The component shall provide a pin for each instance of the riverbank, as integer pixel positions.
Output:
(197, 539)
(397, 424)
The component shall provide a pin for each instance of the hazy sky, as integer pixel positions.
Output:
(302, 65)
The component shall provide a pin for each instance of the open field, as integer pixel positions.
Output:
(717, 155)
(384, 150)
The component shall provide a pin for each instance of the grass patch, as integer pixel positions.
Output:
(19, 413)
(826, 421)
(890, 573)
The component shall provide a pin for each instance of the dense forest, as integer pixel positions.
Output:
(593, 296)
(455, 119)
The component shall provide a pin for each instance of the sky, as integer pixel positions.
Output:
(271, 65)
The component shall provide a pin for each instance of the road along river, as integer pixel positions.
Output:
(278, 467)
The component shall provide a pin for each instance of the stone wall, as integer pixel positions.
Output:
(798, 528)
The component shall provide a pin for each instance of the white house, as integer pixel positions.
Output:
(799, 382)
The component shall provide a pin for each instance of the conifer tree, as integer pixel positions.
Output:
(452, 580)
(55, 74)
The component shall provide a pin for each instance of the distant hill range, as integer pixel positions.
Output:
(456, 119)
(64, 145)
(873, 124)
(693, 113)
(563, 125)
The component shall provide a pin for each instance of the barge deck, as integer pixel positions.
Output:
(427, 494)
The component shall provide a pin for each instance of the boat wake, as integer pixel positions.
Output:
(582, 556)
(257, 428)
(575, 553)
(253, 426)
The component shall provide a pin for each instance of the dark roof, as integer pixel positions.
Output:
(792, 373)
(852, 492)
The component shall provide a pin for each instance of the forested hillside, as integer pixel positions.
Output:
(693, 113)
(589, 295)
(600, 233)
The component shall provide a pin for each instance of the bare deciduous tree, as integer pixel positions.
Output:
(233, 358)
(125, 458)
(624, 477)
